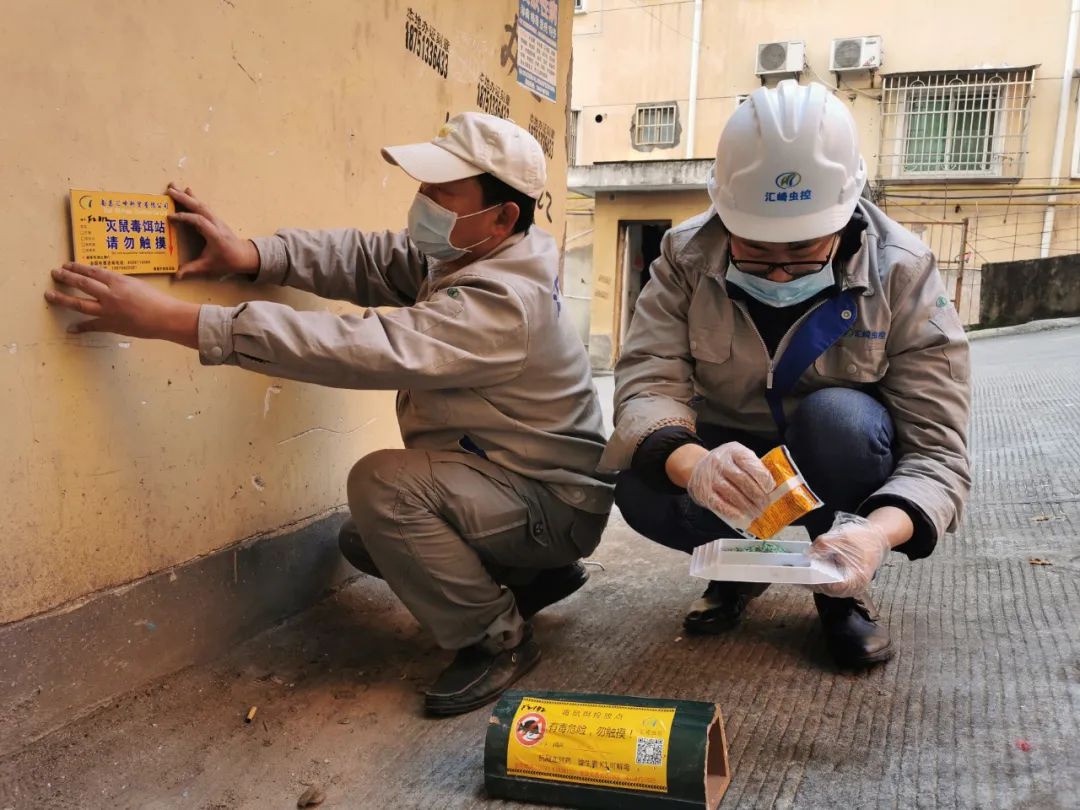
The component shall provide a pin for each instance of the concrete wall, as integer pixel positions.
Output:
(123, 458)
(631, 53)
(577, 263)
(624, 56)
(1018, 292)
(611, 209)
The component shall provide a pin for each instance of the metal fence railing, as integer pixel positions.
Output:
(960, 274)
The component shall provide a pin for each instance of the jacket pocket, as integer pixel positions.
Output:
(956, 350)
(710, 345)
(710, 350)
(851, 362)
(426, 407)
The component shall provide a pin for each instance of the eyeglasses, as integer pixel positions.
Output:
(795, 269)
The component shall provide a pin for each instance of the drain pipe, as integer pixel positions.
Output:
(1059, 137)
(695, 57)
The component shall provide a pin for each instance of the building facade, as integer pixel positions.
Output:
(135, 480)
(967, 118)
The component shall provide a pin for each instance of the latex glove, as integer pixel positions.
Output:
(856, 548)
(732, 482)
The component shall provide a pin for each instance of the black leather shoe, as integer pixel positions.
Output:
(478, 675)
(549, 587)
(852, 632)
(721, 606)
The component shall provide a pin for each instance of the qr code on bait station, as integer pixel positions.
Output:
(650, 751)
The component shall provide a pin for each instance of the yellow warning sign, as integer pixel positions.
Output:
(128, 233)
(591, 744)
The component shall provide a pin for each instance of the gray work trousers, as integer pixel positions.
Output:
(447, 530)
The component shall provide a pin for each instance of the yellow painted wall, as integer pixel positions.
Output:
(611, 209)
(122, 458)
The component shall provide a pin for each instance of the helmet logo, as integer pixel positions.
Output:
(788, 180)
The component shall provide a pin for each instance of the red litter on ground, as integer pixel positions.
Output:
(1023, 745)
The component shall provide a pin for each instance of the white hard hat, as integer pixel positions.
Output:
(475, 143)
(788, 166)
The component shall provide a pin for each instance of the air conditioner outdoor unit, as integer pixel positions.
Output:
(775, 58)
(855, 53)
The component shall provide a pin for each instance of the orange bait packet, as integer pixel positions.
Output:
(790, 500)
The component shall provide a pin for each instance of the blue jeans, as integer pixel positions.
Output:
(841, 440)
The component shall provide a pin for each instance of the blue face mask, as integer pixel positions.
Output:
(430, 225)
(782, 293)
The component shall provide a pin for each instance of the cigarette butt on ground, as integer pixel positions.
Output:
(251, 714)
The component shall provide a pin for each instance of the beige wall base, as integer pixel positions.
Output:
(58, 666)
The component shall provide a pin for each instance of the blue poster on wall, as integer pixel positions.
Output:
(538, 46)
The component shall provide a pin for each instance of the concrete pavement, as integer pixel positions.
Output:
(980, 708)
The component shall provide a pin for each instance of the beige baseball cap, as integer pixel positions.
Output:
(473, 143)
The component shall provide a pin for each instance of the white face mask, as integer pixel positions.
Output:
(430, 226)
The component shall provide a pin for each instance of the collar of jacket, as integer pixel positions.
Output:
(441, 277)
(709, 247)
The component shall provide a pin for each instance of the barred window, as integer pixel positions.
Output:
(655, 125)
(955, 124)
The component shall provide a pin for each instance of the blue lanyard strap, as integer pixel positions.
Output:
(826, 325)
